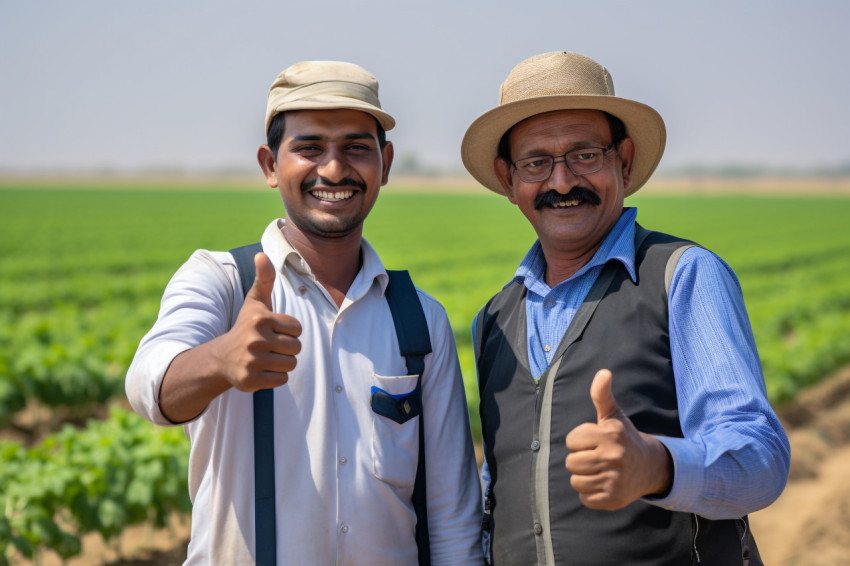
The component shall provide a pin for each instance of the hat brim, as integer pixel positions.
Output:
(644, 126)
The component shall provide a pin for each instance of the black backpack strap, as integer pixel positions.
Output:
(265, 529)
(414, 342)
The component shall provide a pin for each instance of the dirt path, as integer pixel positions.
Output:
(810, 522)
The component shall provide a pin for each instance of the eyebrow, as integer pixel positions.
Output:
(581, 144)
(351, 136)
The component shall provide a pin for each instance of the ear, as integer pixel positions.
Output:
(387, 152)
(627, 156)
(268, 164)
(503, 172)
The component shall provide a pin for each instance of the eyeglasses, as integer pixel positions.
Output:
(582, 161)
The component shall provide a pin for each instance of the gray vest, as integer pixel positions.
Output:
(533, 514)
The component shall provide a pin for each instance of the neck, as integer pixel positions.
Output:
(561, 264)
(334, 262)
(558, 270)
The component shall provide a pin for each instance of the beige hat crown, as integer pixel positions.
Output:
(326, 85)
(561, 80)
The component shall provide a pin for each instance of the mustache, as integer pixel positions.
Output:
(346, 182)
(553, 197)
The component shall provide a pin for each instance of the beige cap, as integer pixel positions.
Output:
(561, 80)
(326, 85)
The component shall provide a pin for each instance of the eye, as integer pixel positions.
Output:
(533, 163)
(307, 150)
(586, 155)
(358, 148)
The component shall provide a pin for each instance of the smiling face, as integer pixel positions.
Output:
(571, 213)
(329, 170)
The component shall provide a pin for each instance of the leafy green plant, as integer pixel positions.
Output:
(114, 473)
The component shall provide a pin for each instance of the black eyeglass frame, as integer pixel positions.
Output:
(563, 157)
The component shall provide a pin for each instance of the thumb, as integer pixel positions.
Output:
(261, 290)
(603, 397)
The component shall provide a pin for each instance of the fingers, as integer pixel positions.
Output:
(261, 290)
(285, 325)
(611, 462)
(262, 345)
(264, 370)
(601, 483)
(596, 492)
(278, 342)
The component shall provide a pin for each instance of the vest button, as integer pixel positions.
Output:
(535, 445)
(538, 528)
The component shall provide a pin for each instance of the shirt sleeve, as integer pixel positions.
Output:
(452, 485)
(196, 307)
(734, 456)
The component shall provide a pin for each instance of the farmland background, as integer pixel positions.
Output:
(84, 263)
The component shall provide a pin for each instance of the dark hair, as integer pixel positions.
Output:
(618, 133)
(278, 125)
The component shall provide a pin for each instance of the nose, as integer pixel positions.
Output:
(562, 178)
(334, 166)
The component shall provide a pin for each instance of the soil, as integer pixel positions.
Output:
(810, 522)
(808, 525)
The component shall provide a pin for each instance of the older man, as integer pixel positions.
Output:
(340, 441)
(623, 406)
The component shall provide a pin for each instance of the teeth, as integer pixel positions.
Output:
(566, 203)
(332, 196)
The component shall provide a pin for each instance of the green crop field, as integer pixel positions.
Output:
(83, 270)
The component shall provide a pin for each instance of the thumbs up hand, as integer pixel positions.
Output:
(612, 463)
(260, 349)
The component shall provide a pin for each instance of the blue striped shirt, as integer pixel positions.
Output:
(734, 456)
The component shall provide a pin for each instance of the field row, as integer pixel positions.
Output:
(78, 482)
(83, 272)
(86, 270)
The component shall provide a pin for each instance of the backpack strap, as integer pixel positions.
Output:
(414, 342)
(265, 528)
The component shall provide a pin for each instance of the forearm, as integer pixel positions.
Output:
(196, 308)
(191, 382)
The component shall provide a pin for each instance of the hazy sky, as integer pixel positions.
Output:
(182, 84)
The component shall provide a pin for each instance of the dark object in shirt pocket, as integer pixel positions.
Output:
(398, 408)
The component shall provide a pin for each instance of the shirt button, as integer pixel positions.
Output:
(547, 347)
(338, 388)
(343, 460)
(535, 445)
(302, 289)
(344, 528)
(538, 528)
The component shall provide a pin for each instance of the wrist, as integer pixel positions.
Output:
(663, 469)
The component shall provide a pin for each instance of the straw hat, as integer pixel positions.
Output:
(326, 85)
(561, 80)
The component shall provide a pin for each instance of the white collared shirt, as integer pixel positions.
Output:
(344, 474)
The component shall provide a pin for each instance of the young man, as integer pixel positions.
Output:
(316, 328)
(623, 407)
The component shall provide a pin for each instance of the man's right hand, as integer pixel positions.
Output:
(256, 353)
(260, 349)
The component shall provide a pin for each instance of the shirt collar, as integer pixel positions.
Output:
(284, 256)
(618, 245)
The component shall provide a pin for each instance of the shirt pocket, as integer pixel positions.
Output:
(395, 430)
